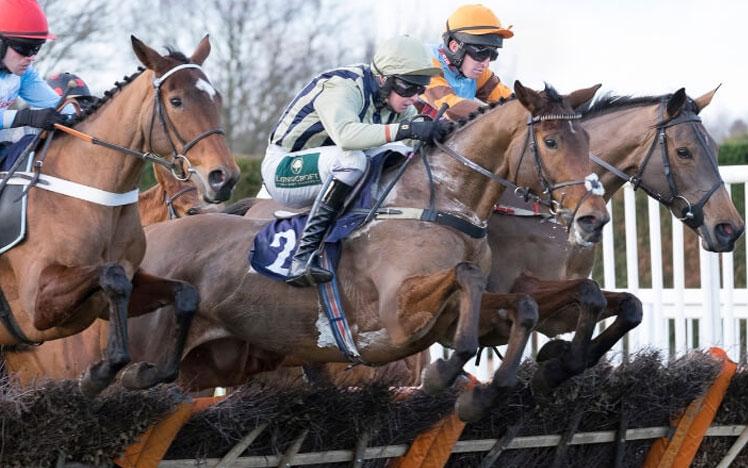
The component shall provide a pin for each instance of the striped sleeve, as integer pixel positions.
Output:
(490, 88)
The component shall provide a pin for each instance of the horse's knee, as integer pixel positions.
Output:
(113, 280)
(591, 296)
(631, 311)
(526, 313)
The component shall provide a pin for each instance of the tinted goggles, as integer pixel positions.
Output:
(481, 53)
(406, 89)
(27, 49)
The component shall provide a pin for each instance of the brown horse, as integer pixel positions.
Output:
(171, 198)
(622, 131)
(401, 292)
(80, 256)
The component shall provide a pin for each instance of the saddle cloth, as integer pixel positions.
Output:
(274, 246)
(13, 204)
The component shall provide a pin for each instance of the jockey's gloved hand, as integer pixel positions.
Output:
(424, 130)
(38, 118)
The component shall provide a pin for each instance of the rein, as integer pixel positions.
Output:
(692, 214)
(169, 200)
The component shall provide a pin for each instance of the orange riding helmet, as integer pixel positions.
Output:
(476, 25)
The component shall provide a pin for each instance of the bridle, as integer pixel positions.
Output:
(591, 182)
(177, 157)
(169, 200)
(693, 213)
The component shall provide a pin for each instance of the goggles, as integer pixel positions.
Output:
(406, 89)
(27, 49)
(480, 52)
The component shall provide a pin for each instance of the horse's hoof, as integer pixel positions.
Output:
(471, 405)
(141, 375)
(552, 349)
(436, 377)
(89, 384)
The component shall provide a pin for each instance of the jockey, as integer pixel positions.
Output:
(23, 31)
(471, 38)
(316, 150)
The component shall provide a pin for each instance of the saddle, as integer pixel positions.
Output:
(275, 245)
(13, 199)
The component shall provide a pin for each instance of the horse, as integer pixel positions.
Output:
(81, 259)
(622, 131)
(401, 292)
(171, 198)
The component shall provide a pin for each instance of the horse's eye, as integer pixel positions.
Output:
(551, 143)
(176, 102)
(684, 153)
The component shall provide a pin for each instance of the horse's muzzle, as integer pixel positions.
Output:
(590, 227)
(221, 183)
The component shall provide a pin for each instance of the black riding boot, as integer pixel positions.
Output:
(304, 271)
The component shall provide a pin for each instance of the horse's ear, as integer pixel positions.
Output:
(202, 51)
(531, 99)
(703, 101)
(582, 96)
(147, 56)
(161, 175)
(676, 103)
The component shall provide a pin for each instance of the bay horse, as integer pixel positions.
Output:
(622, 131)
(81, 260)
(402, 292)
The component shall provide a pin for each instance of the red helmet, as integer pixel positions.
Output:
(23, 19)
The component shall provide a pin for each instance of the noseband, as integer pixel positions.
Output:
(693, 213)
(178, 157)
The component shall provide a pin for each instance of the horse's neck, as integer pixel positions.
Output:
(484, 141)
(151, 206)
(622, 139)
(119, 121)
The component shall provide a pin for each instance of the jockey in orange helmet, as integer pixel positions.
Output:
(472, 36)
(23, 31)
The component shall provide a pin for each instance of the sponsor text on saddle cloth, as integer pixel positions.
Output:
(274, 245)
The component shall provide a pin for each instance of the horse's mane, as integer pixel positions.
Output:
(610, 103)
(118, 85)
(550, 94)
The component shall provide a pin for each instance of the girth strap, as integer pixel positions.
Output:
(434, 216)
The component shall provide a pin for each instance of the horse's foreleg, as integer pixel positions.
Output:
(523, 313)
(117, 289)
(441, 374)
(150, 293)
(628, 311)
(560, 360)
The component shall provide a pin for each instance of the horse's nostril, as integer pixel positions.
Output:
(726, 233)
(589, 223)
(216, 178)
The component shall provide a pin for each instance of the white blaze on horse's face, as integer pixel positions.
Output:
(203, 85)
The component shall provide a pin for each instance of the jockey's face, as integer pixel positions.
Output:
(399, 103)
(17, 63)
(470, 67)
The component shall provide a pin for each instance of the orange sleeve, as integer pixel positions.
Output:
(490, 87)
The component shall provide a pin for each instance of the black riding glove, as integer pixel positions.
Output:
(38, 118)
(424, 130)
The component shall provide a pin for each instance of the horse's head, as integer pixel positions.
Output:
(180, 196)
(557, 161)
(186, 119)
(680, 169)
